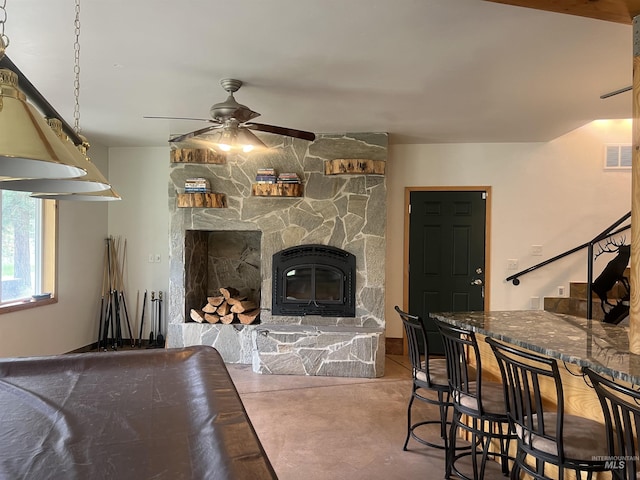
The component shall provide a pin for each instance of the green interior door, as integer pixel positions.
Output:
(446, 255)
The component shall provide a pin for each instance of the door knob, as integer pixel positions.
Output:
(477, 281)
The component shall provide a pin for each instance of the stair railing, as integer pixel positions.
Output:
(610, 231)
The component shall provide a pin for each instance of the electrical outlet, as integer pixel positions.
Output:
(156, 258)
(536, 250)
(561, 291)
(151, 259)
(512, 264)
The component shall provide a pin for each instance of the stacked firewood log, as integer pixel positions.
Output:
(227, 307)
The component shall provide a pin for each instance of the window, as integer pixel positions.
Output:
(27, 248)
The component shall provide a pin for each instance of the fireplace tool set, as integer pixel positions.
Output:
(156, 341)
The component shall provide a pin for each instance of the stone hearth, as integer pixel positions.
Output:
(345, 211)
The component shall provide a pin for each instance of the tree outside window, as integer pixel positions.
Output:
(21, 218)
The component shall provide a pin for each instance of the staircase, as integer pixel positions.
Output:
(576, 303)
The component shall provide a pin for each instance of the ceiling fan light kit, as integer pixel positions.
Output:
(231, 129)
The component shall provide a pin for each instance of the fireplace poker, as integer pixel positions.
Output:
(153, 300)
(160, 337)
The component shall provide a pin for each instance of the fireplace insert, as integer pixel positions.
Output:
(314, 280)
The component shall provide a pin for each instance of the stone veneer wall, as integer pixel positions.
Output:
(345, 211)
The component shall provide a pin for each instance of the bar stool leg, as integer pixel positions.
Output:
(406, 442)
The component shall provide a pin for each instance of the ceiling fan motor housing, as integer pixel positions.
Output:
(230, 108)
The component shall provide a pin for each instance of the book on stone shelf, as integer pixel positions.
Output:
(197, 185)
(196, 181)
(265, 178)
(288, 177)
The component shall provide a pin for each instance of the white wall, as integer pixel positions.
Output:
(73, 321)
(141, 177)
(553, 194)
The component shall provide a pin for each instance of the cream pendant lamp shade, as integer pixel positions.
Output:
(28, 146)
(93, 181)
(104, 196)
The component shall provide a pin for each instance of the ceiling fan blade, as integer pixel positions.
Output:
(289, 132)
(615, 92)
(195, 133)
(179, 118)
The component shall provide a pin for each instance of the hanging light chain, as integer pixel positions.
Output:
(76, 70)
(4, 40)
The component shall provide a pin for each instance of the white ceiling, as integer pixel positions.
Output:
(426, 71)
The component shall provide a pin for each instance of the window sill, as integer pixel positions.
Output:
(25, 304)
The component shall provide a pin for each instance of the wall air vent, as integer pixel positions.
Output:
(617, 157)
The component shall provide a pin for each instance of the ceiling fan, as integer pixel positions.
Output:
(231, 124)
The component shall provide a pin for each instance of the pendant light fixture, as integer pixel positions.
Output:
(94, 187)
(28, 146)
(93, 181)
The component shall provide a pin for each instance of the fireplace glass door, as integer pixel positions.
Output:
(314, 280)
(313, 283)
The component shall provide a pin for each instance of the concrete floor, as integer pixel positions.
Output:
(330, 428)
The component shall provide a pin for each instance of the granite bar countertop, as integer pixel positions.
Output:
(601, 346)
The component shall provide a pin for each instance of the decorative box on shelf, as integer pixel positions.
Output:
(354, 166)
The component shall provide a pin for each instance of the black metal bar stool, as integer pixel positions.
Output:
(478, 406)
(429, 375)
(621, 409)
(546, 434)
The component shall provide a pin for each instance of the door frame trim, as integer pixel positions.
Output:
(487, 241)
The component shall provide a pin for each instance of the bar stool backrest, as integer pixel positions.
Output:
(460, 348)
(539, 426)
(621, 409)
(416, 336)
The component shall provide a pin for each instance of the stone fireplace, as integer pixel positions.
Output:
(213, 247)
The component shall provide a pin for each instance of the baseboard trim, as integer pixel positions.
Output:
(394, 346)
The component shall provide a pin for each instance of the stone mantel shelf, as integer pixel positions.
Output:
(201, 200)
(600, 346)
(354, 166)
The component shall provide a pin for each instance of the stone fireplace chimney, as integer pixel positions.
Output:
(345, 211)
